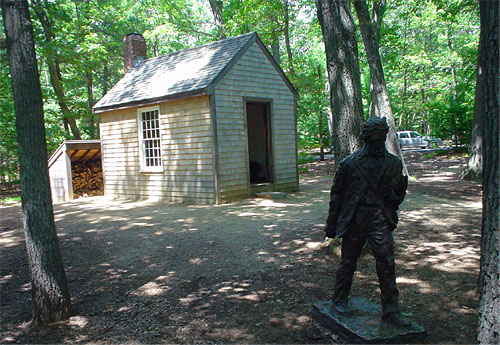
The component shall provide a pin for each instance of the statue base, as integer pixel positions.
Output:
(364, 325)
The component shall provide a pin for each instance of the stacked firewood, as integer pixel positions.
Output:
(87, 179)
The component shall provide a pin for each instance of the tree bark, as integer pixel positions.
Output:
(275, 46)
(474, 170)
(339, 34)
(216, 6)
(370, 31)
(378, 9)
(320, 134)
(403, 116)
(90, 104)
(55, 70)
(286, 31)
(50, 293)
(488, 106)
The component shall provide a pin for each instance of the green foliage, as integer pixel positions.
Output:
(428, 50)
(9, 200)
(8, 137)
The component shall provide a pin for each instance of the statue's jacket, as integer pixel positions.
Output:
(358, 181)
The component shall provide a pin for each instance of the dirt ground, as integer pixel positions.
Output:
(246, 272)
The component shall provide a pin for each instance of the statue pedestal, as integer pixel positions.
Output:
(365, 326)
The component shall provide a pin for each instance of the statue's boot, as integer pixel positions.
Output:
(397, 320)
(342, 308)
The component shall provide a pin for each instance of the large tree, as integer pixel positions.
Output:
(55, 69)
(216, 6)
(50, 293)
(341, 48)
(380, 101)
(487, 105)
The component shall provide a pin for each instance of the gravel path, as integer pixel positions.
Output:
(245, 272)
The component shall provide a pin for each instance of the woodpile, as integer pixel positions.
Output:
(87, 179)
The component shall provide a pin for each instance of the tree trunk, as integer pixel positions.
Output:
(286, 32)
(370, 33)
(51, 300)
(90, 104)
(378, 9)
(55, 70)
(105, 78)
(339, 34)
(403, 116)
(320, 133)
(275, 45)
(453, 88)
(474, 170)
(488, 106)
(216, 6)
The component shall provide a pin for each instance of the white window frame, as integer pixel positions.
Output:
(144, 167)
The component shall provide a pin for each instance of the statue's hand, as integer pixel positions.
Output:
(329, 231)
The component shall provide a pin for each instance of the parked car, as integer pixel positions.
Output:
(412, 139)
(433, 142)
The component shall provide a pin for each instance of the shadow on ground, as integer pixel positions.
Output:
(246, 272)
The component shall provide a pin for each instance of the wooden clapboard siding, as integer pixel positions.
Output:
(186, 153)
(60, 177)
(253, 76)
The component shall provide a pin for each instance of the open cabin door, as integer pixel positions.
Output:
(259, 142)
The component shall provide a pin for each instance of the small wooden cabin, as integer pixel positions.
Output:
(208, 124)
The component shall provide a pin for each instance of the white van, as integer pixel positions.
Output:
(412, 139)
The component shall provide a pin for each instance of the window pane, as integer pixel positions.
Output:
(150, 137)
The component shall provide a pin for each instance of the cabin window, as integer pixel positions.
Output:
(149, 139)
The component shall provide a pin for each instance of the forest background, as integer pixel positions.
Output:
(428, 50)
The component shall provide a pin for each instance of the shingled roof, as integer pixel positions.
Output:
(181, 74)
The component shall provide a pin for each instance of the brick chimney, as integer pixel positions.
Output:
(134, 51)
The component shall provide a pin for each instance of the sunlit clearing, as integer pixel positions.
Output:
(307, 246)
(151, 289)
(253, 297)
(291, 320)
(78, 321)
(189, 299)
(271, 203)
(314, 245)
(123, 309)
(166, 278)
(424, 287)
(225, 289)
(478, 204)
(197, 261)
(10, 241)
(249, 214)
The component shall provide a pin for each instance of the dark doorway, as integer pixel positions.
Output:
(259, 142)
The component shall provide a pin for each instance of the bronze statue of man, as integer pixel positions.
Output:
(368, 188)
